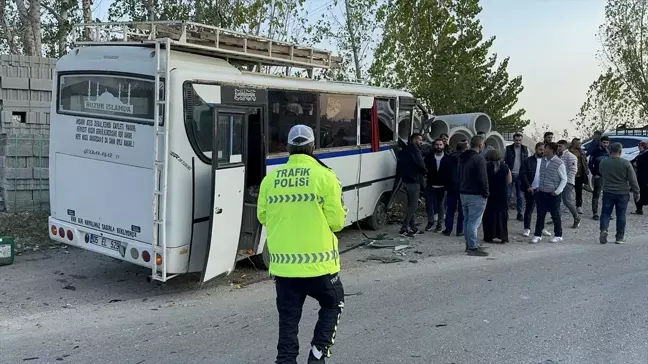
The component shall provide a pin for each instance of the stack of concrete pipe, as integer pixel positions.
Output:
(462, 127)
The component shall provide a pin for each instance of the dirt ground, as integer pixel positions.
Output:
(47, 276)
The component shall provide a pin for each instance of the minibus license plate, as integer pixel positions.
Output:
(105, 242)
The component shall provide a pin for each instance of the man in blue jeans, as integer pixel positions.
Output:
(473, 189)
(618, 179)
(515, 154)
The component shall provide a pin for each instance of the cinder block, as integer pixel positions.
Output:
(14, 83)
(40, 84)
(25, 185)
(40, 173)
(16, 104)
(10, 196)
(17, 173)
(26, 206)
(17, 150)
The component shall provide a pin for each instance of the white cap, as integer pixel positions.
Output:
(300, 135)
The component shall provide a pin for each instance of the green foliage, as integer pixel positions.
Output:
(624, 36)
(352, 35)
(606, 106)
(435, 48)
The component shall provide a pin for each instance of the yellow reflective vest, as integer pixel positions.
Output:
(300, 204)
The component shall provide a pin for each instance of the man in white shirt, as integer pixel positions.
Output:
(530, 182)
(552, 182)
(571, 165)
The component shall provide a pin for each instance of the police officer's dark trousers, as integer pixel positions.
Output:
(291, 295)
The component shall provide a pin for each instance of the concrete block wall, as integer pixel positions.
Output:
(25, 101)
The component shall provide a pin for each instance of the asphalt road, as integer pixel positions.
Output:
(563, 303)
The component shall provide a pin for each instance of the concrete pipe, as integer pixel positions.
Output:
(475, 122)
(458, 135)
(433, 128)
(496, 140)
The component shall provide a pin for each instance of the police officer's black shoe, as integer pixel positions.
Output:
(313, 360)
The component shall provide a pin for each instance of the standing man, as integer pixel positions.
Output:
(571, 165)
(553, 178)
(582, 173)
(596, 140)
(447, 149)
(304, 232)
(453, 202)
(599, 154)
(618, 179)
(530, 178)
(411, 170)
(515, 154)
(486, 147)
(473, 189)
(548, 137)
(437, 169)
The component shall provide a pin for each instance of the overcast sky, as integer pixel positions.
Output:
(552, 44)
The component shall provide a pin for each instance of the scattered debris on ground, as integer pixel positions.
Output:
(29, 229)
(385, 259)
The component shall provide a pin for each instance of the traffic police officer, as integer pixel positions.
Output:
(300, 204)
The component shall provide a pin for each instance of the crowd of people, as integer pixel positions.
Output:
(478, 181)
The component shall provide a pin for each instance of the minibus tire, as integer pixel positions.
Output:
(262, 261)
(378, 219)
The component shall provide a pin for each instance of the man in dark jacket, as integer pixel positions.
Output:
(582, 173)
(437, 169)
(514, 155)
(596, 139)
(473, 188)
(640, 164)
(530, 181)
(595, 158)
(453, 202)
(411, 170)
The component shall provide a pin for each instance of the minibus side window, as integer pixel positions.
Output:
(338, 121)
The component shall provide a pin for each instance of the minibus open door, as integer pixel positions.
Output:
(228, 184)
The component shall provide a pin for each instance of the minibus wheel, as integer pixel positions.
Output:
(378, 219)
(262, 261)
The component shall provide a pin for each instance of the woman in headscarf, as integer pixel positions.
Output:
(495, 218)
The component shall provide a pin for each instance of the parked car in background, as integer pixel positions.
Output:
(628, 141)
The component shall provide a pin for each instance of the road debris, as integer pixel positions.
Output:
(69, 287)
(385, 259)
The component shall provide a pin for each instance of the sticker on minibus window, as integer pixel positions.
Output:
(125, 98)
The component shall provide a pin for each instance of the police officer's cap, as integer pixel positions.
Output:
(300, 135)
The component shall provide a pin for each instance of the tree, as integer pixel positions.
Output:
(435, 48)
(605, 106)
(352, 35)
(536, 132)
(624, 37)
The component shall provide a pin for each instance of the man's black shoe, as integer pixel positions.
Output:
(477, 253)
(520, 217)
(439, 228)
(429, 226)
(313, 360)
(460, 234)
(595, 217)
(406, 233)
(447, 232)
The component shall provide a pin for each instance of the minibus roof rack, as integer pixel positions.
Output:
(207, 40)
(623, 129)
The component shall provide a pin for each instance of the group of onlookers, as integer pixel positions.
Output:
(475, 179)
